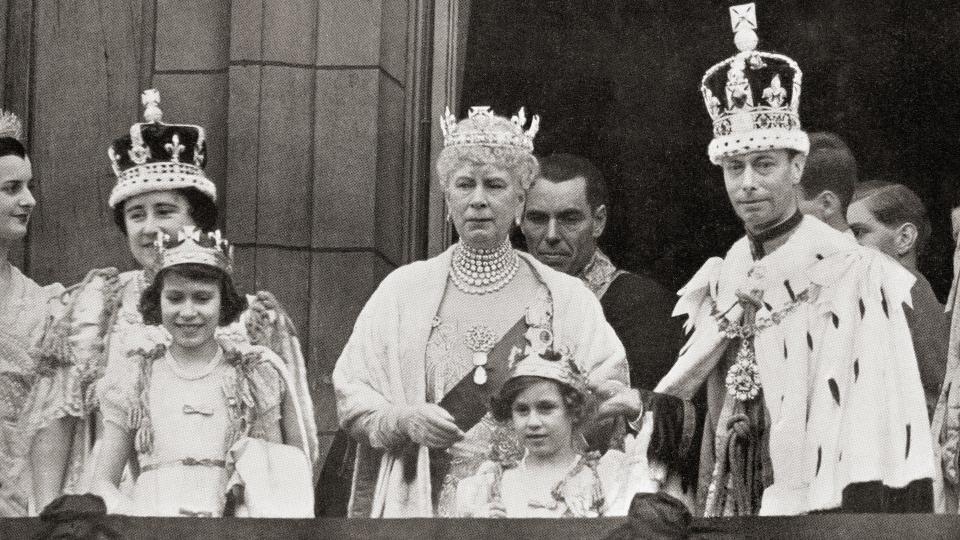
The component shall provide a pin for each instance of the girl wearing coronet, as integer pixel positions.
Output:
(546, 399)
(186, 405)
(161, 187)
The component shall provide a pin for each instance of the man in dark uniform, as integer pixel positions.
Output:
(566, 212)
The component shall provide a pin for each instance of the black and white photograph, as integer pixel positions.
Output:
(545, 269)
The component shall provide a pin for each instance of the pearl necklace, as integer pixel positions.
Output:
(178, 369)
(482, 271)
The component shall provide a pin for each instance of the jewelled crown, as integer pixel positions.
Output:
(753, 97)
(10, 125)
(192, 245)
(482, 127)
(157, 156)
(556, 365)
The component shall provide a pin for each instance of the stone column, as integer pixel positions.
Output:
(316, 189)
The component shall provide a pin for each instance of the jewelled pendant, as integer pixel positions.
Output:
(479, 375)
(479, 371)
(480, 341)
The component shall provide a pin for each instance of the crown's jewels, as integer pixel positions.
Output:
(483, 128)
(193, 246)
(480, 340)
(555, 364)
(10, 125)
(155, 156)
(753, 97)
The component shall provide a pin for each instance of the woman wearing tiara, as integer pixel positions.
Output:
(432, 343)
(24, 307)
(547, 402)
(184, 412)
(161, 187)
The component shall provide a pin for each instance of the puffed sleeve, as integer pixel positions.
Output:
(71, 353)
(118, 396)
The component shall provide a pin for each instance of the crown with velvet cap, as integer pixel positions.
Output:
(156, 156)
(753, 97)
(482, 127)
(193, 246)
(556, 365)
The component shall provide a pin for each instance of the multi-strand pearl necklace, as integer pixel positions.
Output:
(482, 271)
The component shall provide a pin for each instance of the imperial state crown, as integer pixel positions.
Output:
(753, 97)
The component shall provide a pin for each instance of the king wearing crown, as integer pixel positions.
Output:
(799, 334)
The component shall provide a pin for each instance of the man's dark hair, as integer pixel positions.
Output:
(893, 205)
(562, 167)
(232, 303)
(203, 210)
(831, 167)
(12, 147)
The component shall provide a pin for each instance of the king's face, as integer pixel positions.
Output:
(761, 186)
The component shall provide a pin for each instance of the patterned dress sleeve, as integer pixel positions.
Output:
(71, 354)
(117, 395)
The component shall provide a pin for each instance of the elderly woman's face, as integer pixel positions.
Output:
(484, 200)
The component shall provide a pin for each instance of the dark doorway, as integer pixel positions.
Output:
(618, 81)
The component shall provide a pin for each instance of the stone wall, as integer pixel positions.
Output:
(307, 106)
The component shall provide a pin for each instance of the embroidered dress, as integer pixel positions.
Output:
(96, 333)
(449, 360)
(591, 486)
(24, 310)
(184, 424)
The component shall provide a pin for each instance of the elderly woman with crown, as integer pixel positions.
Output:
(432, 343)
(161, 187)
(814, 395)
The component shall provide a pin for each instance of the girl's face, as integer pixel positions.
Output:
(149, 213)
(16, 201)
(190, 310)
(541, 417)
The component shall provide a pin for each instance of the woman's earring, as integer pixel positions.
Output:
(518, 219)
(449, 217)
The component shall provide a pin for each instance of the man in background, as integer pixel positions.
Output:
(892, 219)
(828, 180)
(565, 215)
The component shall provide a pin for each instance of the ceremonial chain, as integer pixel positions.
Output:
(733, 330)
(483, 271)
(743, 377)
